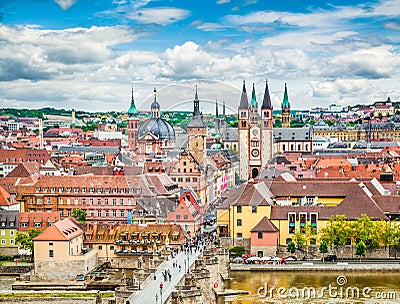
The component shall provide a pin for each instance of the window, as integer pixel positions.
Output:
(178, 216)
(84, 201)
(111, 247)
(106, 201)
(76, 201)
(114, 201)
(303, 221)
(91, 212)
(239, 222)
(91, 201)
(188, 179)
(260, 235)
(106, 213)
(239, 235)
(51, 253)
(185, 216)
(313, 222)
(122, 213)
(114, 213)
(12, 232)
(239, 209)
(12, 241)
(68, 212)
(99, 201)
(253, 209)
(38, 225)
(3, 242)
(24, 225)
(292, 223)
(50, 244)
(61, 213)
(3, 232)
(100, 247)
(187, 227)
(129, 201)
(121, 201)
(99, 213)
(194, 179)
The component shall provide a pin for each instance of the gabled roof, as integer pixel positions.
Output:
(264, 225)
(64, 230)
(5, 198)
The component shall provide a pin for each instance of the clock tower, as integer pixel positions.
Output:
(197, 133)
(255, 136)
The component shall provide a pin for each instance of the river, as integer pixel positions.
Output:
(314, 287)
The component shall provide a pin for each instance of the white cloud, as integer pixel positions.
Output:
(65, 4)
(159, 15)
(372, 63)
(223, 1)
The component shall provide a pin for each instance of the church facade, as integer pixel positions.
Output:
(256, 133)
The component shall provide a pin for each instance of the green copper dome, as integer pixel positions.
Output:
(253, 98)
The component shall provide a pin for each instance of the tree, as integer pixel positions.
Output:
(291, 247)
(236, 251)
(337, 231)
(323, 248)
(79, 215)
(24, 239)
(361, 249)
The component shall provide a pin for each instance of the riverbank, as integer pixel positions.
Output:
(311, 266)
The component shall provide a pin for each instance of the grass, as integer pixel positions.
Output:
(55, 295)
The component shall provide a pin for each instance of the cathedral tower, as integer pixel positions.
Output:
(285, 110)
(197, 133)
(267, 131)
(133, 124)
(243, 133)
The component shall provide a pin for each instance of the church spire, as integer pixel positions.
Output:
(285, 102)
(223, 110)
(133, 110)
(196, 105)
(216, 109)
(267, 99)
(244, 103)
(253, 103)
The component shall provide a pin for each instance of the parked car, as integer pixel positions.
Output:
(330, 258)
(291, 258)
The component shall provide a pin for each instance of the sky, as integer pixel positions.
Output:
(87, 54)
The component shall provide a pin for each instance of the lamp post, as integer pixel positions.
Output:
(156, 298)
(188, 264)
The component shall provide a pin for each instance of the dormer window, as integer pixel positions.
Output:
(60, 190)
(37, 189)
(115, 190)
(99, 190)
(83, 190)
(68, 190)
(107, 190)
(76, 190)
(91, 190)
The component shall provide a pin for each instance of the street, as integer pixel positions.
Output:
(151, 290)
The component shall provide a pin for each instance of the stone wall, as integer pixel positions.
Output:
(266, 250)
(227, 243)
(62, 270)
(9, 250)
(348, 252)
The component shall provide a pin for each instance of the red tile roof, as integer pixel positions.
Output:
(264, 225)
(64, 230)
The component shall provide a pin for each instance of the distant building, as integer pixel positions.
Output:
(8, 232)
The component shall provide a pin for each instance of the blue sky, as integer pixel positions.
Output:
(85, 54)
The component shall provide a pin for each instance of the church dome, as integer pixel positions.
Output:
(158, 127)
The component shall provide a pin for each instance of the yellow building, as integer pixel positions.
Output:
(289, 204)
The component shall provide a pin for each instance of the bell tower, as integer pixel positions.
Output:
(267, 132)
(133, 124)
(285, 110)
(243, 133)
